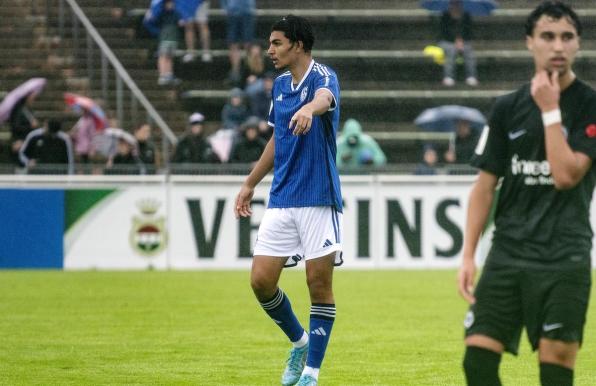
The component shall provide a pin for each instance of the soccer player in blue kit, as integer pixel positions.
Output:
(304, 214)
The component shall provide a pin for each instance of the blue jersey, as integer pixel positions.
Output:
(305, 173)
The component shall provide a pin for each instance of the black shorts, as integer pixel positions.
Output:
(550, 304)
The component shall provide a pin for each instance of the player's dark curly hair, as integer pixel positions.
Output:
(296, 29)
(555, 10)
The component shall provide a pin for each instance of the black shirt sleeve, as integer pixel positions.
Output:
(491, 151)
(582, 137)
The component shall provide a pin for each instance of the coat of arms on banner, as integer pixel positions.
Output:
(148, 235)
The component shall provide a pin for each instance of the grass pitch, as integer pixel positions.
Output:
(205, 328)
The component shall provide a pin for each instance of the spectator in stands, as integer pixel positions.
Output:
(22, 121)
(193, 147)
(200, 22)
(82, 134)
(48, 146)
(428, 166)
(235, 111)
(259, 95)
(240, 31)
(249, 147)
(168, 23)
(265, 131)
(462, 150)
(126, 160)
(147, 151)
(253, 67)
(354, 148)
(454, 39)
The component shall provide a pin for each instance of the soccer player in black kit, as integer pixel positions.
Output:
(538, 145)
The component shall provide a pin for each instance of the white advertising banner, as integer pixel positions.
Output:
(189, 223)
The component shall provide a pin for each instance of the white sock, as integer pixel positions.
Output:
(302, 341)
(311, 371)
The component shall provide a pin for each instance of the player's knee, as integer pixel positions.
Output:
(319, 288)
(557, 352)
(262, 287)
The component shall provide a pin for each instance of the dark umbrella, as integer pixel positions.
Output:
(473, 7)
(444, 118)
(33, 85)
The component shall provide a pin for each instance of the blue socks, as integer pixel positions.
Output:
(322, 317)
(280, 310)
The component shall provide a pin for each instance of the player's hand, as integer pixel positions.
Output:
(546, 90)
(301, 121)
(465, 280)
(243, 199)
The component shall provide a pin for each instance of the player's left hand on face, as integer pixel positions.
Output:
(301, 121)
(546, 90)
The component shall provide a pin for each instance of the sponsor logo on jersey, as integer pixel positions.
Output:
(591, 130)
(536, 172)
(148, 234)
(279, 98)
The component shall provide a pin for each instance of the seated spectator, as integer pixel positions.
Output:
(147, 151)
(265, 131)
(253, 66)
(250, 146)
(22, 121)
(193, 147)
(235, 111)
(126, 160)
(462, 150)
(48, 146)
(428, 166)
(259, 96)
(354, 148)
(454, 39)
(82, 134)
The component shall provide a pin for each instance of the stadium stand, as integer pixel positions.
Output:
(375, 47)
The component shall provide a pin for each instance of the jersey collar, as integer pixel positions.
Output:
(312, 63)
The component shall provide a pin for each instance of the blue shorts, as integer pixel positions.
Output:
(241, 29)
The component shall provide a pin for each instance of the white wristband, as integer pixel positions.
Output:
(551, 117)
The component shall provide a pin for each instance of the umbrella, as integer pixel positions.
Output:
(473, 7)
(80, 102)
(106, 143)
(33, 85)
(444, 118)
(186, 8)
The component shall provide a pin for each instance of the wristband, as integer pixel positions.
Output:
(551, 117)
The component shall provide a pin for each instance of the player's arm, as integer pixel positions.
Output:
(479, 205)
(262, 167)
(567, 167)
(302, 120)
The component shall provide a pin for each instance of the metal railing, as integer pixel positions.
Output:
(108, 65)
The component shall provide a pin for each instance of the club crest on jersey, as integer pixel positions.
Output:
(303, 94)
(591, 130)
(148, 235)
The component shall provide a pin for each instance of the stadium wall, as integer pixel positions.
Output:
(187, 222)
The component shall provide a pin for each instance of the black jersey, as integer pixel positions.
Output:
(536, 224)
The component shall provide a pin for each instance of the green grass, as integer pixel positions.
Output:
(205, 328)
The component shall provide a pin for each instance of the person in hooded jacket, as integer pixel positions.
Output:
(354, 148)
